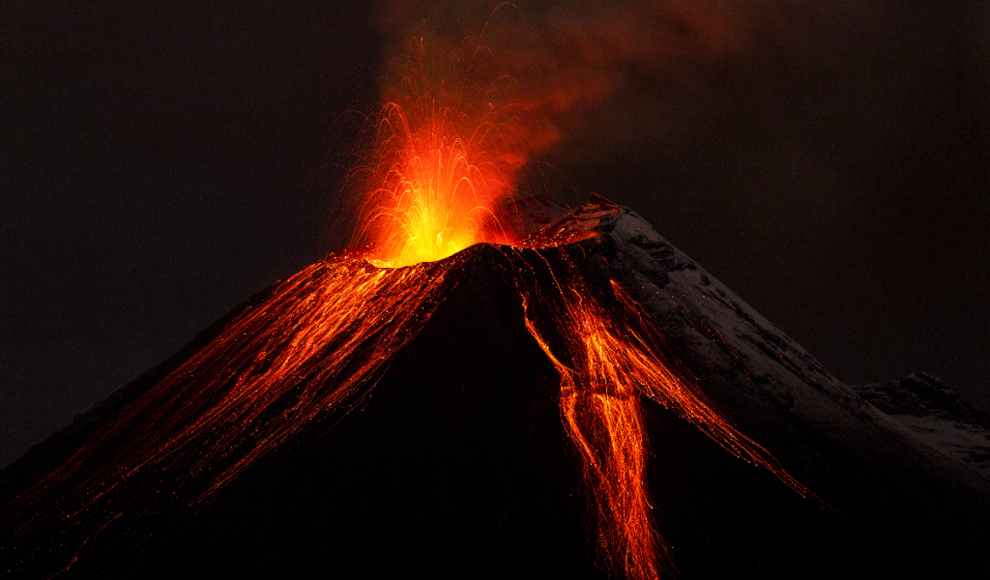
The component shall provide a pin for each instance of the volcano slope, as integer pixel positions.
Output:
(439, 442)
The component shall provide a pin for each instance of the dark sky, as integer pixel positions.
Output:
(160, 163)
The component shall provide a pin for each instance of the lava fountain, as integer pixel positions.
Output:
(447, 147)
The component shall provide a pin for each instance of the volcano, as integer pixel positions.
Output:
(589, 403)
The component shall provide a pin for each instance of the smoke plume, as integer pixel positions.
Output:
(599, 67)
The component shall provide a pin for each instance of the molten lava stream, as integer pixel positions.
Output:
(608, 356)
(307, 351)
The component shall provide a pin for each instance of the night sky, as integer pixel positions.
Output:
(160, 163)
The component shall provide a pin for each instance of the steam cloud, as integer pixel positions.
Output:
(575, 59)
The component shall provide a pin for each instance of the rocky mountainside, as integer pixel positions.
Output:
(933, 413)
(453, 458)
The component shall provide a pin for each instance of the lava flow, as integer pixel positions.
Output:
(445, 158)
(308, 351)
(609, 357)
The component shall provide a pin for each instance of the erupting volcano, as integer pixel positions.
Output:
(485, 384)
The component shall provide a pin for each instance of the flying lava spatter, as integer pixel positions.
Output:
(447, 152)
(447, 145)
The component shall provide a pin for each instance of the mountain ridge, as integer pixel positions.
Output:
(467, 413)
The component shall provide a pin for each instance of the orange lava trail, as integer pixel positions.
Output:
(609, 356)
(306, 352)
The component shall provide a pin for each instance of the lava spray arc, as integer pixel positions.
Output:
(445, 151)
(440, 181)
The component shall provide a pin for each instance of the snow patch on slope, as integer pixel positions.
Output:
(934, 414)
(762, 349)
(745, 363)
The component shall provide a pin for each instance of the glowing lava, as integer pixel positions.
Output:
(446, 148)
(609, 357)
(307, 351)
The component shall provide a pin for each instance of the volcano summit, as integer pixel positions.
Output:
(576, 404)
